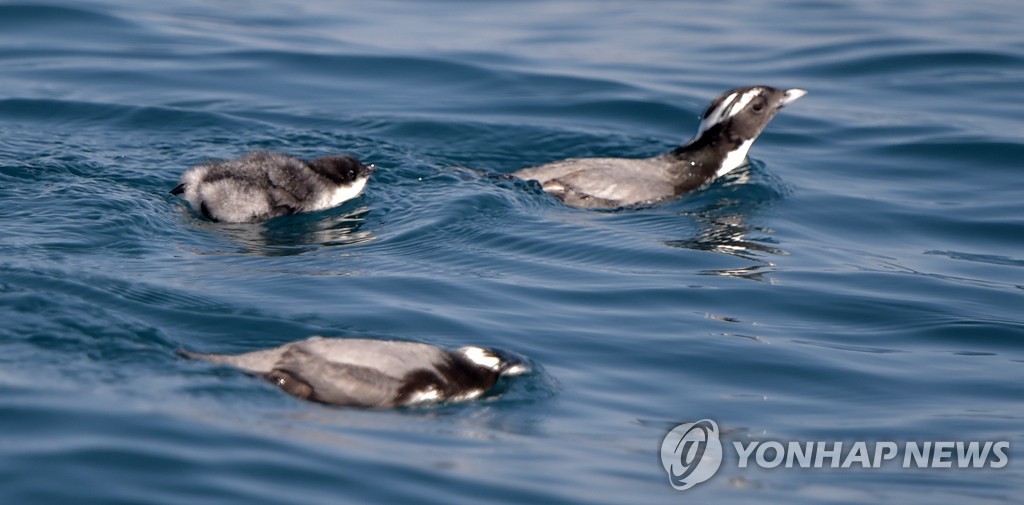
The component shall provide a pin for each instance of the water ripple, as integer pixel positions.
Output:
(880, 221)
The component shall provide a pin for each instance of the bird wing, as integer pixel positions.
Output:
(611, 182)
(315, 378)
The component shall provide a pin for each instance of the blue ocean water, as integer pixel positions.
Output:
(863, 279)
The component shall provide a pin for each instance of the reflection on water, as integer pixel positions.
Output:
(728, 235)
(722, 227)
(292, 235)
(760, 273)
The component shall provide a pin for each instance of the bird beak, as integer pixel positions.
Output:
(791, 96)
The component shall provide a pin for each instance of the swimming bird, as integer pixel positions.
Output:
(727, 129)
(263, 185)
(374, 373)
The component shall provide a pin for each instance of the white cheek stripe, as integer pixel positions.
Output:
(743, 101)
(727, 108)
(481, 357)
(715, 116)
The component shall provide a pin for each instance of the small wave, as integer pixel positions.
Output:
(132, 117)
(990, 259)
(29, 17)
(890, 60)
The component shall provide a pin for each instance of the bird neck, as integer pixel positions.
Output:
(713, 153)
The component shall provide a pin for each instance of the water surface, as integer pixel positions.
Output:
(862, 280)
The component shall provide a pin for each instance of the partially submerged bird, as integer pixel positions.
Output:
(727, 130)
(374, 373)
(263, 185)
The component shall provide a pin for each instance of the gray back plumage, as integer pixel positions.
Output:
(312, 376)
(361, 372)
(263, 185)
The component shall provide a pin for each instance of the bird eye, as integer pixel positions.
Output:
(758, 106)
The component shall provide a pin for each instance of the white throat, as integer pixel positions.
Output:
(735, 159)
(343, 194)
